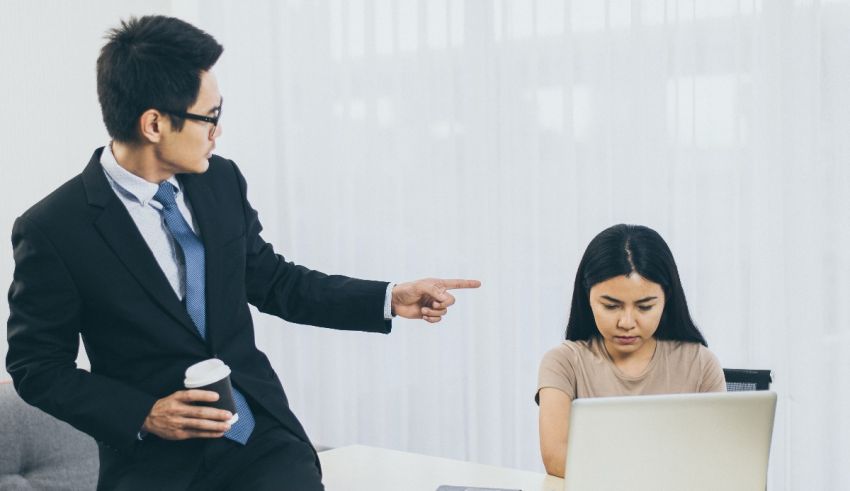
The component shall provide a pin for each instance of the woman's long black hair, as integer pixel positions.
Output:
(623, 250)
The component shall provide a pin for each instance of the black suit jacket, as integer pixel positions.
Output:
(83, 268)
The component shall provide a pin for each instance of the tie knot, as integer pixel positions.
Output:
(165, 194)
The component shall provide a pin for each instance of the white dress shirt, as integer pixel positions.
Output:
(137, 196)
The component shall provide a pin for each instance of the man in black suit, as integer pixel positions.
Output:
(153, 254)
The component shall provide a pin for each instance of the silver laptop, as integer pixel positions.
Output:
(692, 442)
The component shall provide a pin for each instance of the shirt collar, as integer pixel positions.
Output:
(130, 184)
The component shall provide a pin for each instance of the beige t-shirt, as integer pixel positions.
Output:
(585, 369)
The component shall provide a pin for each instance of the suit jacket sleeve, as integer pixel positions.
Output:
(304, 296)
(43, 332)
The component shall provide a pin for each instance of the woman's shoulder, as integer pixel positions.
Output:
(688, 350)
(697, 363)
(573, 348)
(570, 351)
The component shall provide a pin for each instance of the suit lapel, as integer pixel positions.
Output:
(119, 231)
(203, 205)
(204, 210)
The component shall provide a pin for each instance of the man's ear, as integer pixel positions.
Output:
(152, 124)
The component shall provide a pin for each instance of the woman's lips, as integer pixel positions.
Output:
(626, 339)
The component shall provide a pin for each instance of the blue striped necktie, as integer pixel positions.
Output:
(195, 298)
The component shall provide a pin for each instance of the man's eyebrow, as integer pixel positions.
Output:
(218, 107)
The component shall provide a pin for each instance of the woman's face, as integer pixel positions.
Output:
(627, 310)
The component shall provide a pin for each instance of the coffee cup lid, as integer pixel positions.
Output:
(205, 372)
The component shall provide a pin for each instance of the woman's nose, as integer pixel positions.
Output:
(627, 321)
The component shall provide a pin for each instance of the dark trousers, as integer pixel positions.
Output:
(273, 459)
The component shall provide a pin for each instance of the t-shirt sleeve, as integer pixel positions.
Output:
(713, 379)
(556, 371)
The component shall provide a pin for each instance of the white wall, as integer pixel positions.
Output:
(396, 139)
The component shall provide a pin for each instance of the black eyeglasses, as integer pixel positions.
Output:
(198, 117)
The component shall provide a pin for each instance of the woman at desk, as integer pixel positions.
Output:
(629, 333)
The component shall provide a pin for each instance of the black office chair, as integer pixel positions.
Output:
(738, 379)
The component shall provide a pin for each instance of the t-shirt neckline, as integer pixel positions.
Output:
(619, 373)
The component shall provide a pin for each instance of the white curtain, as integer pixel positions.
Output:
(395, 139)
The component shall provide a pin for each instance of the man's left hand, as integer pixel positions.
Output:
(427, 299)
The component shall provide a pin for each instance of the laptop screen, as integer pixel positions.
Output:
(693, 442)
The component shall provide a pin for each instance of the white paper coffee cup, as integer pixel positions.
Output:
(214, 375)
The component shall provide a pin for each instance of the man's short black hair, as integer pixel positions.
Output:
(152, 62)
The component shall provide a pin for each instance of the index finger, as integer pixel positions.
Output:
(455, 284)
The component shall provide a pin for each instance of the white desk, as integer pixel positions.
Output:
(362, 468)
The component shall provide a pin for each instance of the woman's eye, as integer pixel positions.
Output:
(609, 306)
(644, 308)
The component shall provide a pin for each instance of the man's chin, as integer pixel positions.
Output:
(201, 167)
